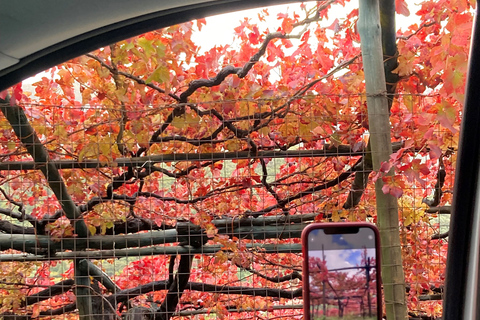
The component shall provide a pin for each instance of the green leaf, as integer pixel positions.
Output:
(160, 75)
(128, 46)
(147, 46)
(161, 48)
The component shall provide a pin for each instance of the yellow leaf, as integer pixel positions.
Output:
(245, 108)
(103, 228)
(178, 122)
(305, 130)
(264, 131)
(408, 221)
(288, 129)
(233, 145)
(335, 216)
(335, 139)
(120, 94)
(40, 129)
(11, 145)
(102, 72)
(408, 101)
(92, 228)
(186, 119)
(88, 151)
(220, 257)
(60, 132)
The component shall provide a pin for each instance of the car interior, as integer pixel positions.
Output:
(36, 35)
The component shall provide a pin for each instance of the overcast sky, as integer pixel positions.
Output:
(219, 29)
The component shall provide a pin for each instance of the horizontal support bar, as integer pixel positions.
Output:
(326, 151)
(153, 250)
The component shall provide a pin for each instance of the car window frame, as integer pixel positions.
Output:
(461, 299)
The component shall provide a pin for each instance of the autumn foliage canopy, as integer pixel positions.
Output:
(203, 165)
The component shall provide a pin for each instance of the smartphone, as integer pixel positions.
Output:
(341, 271)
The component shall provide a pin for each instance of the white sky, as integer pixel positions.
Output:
(346, 258)
(219, 29)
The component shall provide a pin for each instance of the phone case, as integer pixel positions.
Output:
(338, 226)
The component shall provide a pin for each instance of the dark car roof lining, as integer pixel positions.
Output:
(109, 34)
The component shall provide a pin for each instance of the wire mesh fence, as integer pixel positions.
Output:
(217, 219)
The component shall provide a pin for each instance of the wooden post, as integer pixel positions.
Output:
(379, 126)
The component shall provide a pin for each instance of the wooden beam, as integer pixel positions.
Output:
(148, 251)
(326, 151)
(27, 135)
(109, 242)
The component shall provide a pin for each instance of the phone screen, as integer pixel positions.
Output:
(342, 273)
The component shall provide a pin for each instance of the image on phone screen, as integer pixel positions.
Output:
(342, 274)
